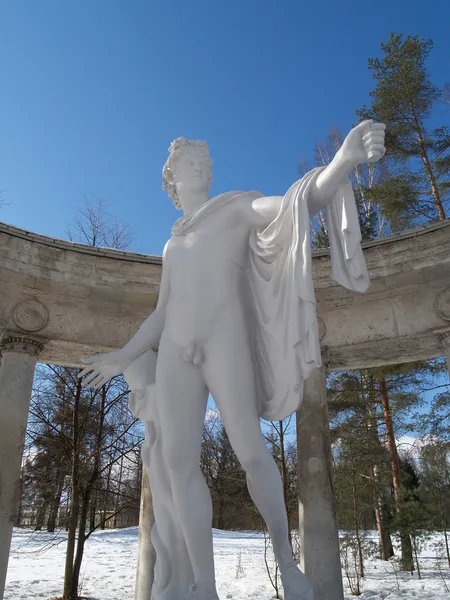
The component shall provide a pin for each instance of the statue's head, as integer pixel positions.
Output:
(188, 167)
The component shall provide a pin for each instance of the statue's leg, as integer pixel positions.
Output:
(229, 374)
(182, 397)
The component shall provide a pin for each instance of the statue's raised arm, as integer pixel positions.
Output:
(364, 143)
(281, 268)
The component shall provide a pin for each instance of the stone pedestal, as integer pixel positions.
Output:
(19, 353)
(320, 558)
(146, 552)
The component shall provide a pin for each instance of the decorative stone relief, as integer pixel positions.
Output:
(30, 315)
(442, 304)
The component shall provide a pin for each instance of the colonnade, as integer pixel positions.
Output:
(59, 301)
(317, 505)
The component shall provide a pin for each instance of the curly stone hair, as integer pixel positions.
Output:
(177, 149)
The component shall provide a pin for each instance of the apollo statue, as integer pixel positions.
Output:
(236, 318)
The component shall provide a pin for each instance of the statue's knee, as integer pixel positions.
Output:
(180, 466)
(253, 463)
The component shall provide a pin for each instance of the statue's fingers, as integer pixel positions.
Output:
(85, 371)
(373, 135)
(374, 154)
(87, 381)
(364, 125)
(378, 127)
(94, 383)
(100, 383)
(377, 148)
(373, 142)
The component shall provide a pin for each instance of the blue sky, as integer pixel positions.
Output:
(93, 92)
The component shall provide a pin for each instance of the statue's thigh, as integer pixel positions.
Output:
(230, 377)
(181, 397)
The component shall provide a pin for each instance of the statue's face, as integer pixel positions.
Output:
(192, 174)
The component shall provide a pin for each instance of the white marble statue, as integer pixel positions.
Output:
(235, 317)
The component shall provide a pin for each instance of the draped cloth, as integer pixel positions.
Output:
(286, 337)
(281, 313)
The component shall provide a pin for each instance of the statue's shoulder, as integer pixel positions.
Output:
(237, 201)
(220, 207)
(236, 196)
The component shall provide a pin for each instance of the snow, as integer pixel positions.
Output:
(36, 569)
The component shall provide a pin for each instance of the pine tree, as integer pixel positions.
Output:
(399, 389)
(417, 189)
(363, 478)
(435, 474)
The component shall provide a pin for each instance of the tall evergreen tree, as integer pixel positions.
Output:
(417, 189)
(435, 475)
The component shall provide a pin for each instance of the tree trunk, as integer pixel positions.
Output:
(92, 513)
(40, 515)
(119, 488)
(285, 480)
(385, 542)
(105, 502)
(86, 500)
(416, 556)
(433, 183)
(385, 518)
(80, 545)
(356, 523)
(446, 541)
(407, 563)
(444, 525)
(428, 167)
(74, 504)
(55, 503)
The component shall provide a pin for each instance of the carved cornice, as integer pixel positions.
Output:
(18, 342)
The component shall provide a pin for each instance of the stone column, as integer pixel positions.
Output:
(19, 353)
(320, 558)
(146, 552)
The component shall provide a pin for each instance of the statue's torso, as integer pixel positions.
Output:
(207, 272)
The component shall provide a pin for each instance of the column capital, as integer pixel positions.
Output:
(21, 342)
(443, 336)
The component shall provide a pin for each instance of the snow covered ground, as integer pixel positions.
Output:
(37, 564)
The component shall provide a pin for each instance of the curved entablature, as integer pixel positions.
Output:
(82, 300)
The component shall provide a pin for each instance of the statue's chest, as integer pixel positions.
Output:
(207, 250)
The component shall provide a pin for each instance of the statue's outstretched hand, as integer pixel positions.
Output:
(364, 143)
(102, 368)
